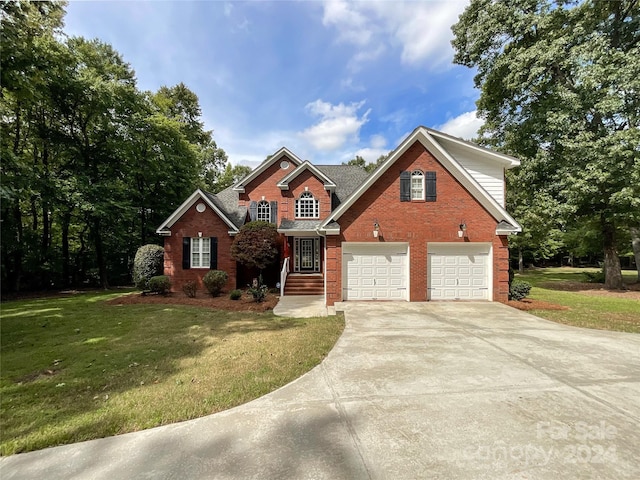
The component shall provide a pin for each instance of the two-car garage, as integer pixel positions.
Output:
(380, 271)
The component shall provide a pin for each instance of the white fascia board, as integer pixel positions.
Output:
(239, 187)
(507, 160)
(186, 205)
(516, 228)
(306, 165)
(291, 232)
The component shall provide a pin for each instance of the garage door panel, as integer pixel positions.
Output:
(465, 275)
(375, 272)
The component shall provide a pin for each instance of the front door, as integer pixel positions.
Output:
(307, 255)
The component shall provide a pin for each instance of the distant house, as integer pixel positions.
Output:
(428, 224)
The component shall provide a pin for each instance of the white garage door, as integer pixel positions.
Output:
(458, 272)
(374, 272)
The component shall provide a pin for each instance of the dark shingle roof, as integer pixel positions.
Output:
(227, 201)
(299, 224)
(347, 179)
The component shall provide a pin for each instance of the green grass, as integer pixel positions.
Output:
(76, 368)
(584, 309)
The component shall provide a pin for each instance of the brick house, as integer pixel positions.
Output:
(428, 224)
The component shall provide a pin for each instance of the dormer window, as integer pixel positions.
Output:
(307, 206)
(264, 211)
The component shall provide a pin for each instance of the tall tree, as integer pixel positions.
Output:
(29, 49)
(560, 88)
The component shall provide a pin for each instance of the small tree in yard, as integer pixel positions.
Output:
(148, 262)
(256, 245)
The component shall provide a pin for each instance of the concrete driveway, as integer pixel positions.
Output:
(438, 390)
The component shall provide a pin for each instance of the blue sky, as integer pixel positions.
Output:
(327, 79)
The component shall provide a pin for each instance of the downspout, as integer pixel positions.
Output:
(324, 267)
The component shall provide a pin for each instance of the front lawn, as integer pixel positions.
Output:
(76, 368)
(589, 305)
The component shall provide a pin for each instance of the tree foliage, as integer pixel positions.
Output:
(256, 244)
(90, 164)
(560, 88)
(359, 161)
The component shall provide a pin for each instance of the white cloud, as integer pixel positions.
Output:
(352, 25)
(338, 124)
(378, 141)
(422, 30)
(464, 126)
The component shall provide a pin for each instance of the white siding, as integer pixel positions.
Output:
(489, 174)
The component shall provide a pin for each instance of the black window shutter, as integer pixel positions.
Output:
(214, 253)
(430, 180)
(253, 211)
(405, 186)
(186, 253)
(274, 212)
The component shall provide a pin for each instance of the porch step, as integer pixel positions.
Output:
(300, 284)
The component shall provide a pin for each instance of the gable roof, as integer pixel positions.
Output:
(429, 139)
(215, 204)
(283, 152)
(306, 165)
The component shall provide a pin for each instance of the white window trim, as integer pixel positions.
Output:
(308, 199)
(200, 250)
(415, 175)
(263, 206)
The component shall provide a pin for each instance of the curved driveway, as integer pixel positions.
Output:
(421, 390)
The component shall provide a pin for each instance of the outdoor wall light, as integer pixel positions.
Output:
(376, 229)
(462, 231)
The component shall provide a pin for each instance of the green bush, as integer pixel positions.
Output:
(148, 262)
(235, 294)
(214, 281)
(160, 284)
(519, 290)
(594, 277)
(189, 288)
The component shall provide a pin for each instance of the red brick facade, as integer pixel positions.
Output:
(416, 223)
(413, 223)
(265, 185)
(210, 225)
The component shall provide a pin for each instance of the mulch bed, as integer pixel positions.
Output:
(223, 302)
(531, 304)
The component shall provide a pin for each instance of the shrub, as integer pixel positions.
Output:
(519, 290)
(148, 262)
(189, 288)
(256, 245)
(235, 294)
(594, 277)
(258, 290)
(214, 280)
(160, 284)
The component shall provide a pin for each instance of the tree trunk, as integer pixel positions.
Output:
(17, 216)
(612, 270)
(635, 243)
(520, 262)
(97, 243)
(66, 220)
